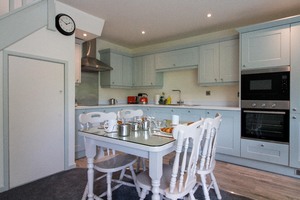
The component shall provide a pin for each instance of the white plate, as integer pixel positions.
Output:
(164, 134)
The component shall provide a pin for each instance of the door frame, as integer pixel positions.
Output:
(6, 55)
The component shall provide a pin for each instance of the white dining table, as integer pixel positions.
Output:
(141, 143)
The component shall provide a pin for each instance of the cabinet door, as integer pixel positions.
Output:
(149, 73)
(209, 63)
(295, 68)
(295, 140)
(116, 62)
(229, 61)
(265, 151)
(127, 71)
(228, 139)
(266, 48)
(177, 59)
(137, 71)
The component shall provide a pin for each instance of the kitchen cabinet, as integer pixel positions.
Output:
(228, 139)
(219, 63)
(177, 59)
(78, 55)
(295, 97)
(265, 151)
(121, 75)
(266, 47)
(144, 73)
(185, 114)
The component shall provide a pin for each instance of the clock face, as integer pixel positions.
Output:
(65, 24)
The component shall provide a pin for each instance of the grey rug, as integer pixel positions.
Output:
(69, 185)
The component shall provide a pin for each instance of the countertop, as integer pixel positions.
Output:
(162, 106)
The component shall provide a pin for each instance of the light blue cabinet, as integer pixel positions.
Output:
(229, 137)
(121, 75)
(295, 97)
(144, 73)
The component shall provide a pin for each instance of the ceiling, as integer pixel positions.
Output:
(165, 20)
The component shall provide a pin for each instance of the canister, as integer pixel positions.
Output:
(124, 130)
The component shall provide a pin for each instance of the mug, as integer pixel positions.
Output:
(111, 125)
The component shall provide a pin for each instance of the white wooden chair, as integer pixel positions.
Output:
(110, 162)
(180, 178)
(129, 115)
(207, 153)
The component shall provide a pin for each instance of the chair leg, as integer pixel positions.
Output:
(216, 187)
(143, 194)
(108, 181)
(204, 187)
(134, 180)
(85, 193)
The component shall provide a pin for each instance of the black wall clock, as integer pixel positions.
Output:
(65, 24)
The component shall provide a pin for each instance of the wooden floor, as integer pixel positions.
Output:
(251, 183)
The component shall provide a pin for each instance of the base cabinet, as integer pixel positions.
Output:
(295, 140)
(265, 151)
(228, 139)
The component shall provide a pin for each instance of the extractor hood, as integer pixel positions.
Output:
(89, 63)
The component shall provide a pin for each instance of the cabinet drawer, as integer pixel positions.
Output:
(265, 151)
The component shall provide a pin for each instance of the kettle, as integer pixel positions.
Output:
(112, 101)
(142, 98)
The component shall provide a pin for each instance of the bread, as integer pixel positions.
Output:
(167, 129)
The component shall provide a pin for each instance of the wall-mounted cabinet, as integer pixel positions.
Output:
(266, 48)
(219, 63)
(144, 73)
(177, 59)
(121, 75)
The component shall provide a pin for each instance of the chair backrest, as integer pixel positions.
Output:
(208, 144)
(188, 139)
(128, 114)
(93, 119)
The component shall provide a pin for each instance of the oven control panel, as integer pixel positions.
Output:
(260, 104)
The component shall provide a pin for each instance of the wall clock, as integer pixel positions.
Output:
(65, 24)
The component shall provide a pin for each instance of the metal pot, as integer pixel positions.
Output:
(124, 130)
(112, 101)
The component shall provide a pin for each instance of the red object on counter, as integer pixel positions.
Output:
(132, 100)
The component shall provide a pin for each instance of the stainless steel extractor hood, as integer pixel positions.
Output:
(89, 63)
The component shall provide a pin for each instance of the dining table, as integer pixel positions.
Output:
(152, 145)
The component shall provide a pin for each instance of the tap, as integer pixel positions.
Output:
(180, 102)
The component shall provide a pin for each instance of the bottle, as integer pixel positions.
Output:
(169, 100)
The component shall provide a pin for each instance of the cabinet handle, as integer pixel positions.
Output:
(207, 113)
(294, 109)
(221, 79)
(216, 80)
(294, 117)
(244, 65)
(189, 111)
(262, 145)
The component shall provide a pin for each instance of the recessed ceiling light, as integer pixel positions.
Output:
(84, 34)
(143, 32)
(209, 15)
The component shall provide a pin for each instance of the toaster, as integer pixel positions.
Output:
(132, 99)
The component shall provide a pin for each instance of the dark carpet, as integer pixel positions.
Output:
(69, 185)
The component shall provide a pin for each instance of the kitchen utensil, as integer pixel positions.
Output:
(134, 126)
(112, 101)
(156, 99)
(124, 130)
(110, 125)
(143, 98)
(145, 125)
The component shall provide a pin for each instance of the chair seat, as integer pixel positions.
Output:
(116, 163)
(144, 180)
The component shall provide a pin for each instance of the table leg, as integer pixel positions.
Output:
(155, 172)
(90, 152)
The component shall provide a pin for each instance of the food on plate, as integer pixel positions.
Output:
(167, 130)
(189, 123)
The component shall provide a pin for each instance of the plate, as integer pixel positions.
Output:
(164, 134)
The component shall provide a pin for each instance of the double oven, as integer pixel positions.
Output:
(265, 104)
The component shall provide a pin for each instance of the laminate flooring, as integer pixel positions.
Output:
(252, 183)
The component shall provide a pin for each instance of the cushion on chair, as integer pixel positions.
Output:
(116, 163)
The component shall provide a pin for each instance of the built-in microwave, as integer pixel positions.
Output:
(266, 84)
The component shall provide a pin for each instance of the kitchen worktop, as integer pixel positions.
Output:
(162, 106)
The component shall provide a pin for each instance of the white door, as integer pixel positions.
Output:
(36, 119)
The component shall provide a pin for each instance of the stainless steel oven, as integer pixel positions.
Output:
(265, 103)
(265, 120)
